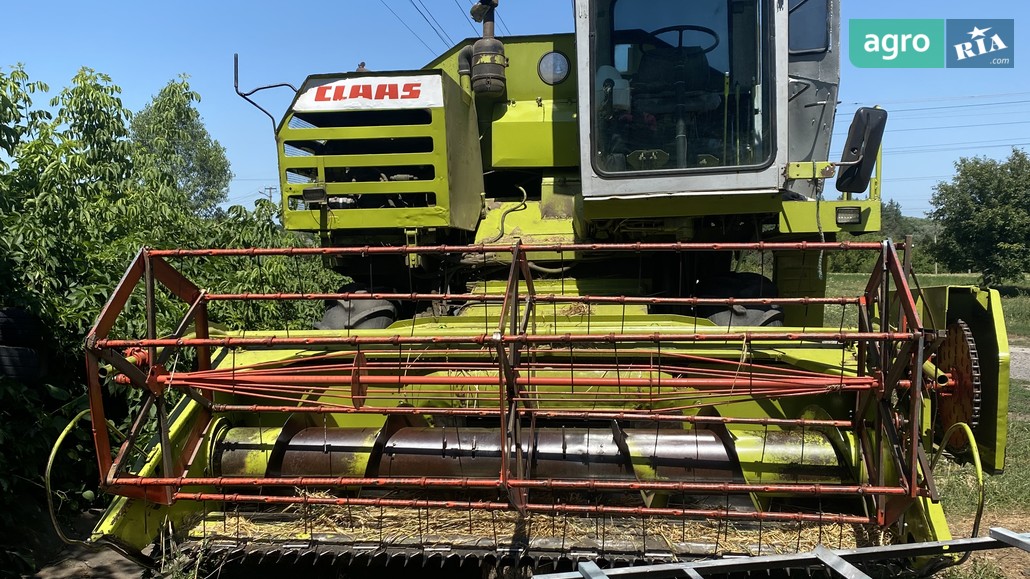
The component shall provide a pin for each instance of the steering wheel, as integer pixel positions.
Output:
(681, 28)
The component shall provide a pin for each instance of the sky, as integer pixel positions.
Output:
(936, 115)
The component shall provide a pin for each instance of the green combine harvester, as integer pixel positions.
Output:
(587, 328)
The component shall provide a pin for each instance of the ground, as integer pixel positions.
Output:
(1019, 368)
(76, 562)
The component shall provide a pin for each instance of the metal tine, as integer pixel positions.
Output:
(760, 529)
(305, 512)
(718, 536)
(564, 531)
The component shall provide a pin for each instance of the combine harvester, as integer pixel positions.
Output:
(588, 323)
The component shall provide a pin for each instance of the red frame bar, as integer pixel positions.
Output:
(527, 248)
(549, 484)
(493, 339)
(242, 380)
(509, 347)
(531, 507)
(543, 298)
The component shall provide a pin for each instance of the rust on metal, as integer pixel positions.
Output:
(526, 421)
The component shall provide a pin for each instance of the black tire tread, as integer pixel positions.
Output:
(19, 363)
(18, 327)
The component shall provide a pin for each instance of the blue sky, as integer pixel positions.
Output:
(937, 115)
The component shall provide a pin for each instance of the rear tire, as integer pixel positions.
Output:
(18, 363)
(740, 285)
(357, 314)
(18, 327)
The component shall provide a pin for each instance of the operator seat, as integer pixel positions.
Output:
(676, 93)
(670, 77)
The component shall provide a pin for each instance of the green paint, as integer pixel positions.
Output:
(982, 312)
(451, 198)
(801, 216)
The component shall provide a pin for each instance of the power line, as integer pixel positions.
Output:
(966, 106)
(424, 17)
(244, 197)
(950, 107)
(931, 145)
(385, 5)
(974, 146)
(963, 144)
(946, 149)
(501, 20)
(1022, 111)
(467, 17)
(947, 127)
(951, 98)
(844, 119)
(444, 30)
(927, 178)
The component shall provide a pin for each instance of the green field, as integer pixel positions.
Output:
(1015, 299)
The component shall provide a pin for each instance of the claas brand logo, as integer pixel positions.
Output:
(378, 92)
(371, 93)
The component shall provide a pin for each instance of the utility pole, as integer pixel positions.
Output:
(268, 193)
(935, 249)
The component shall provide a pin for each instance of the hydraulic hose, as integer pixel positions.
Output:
(50, 498)
(46, 481)
(521, 206)
(933, 569)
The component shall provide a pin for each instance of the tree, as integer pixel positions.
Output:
(80, 193)
(984, 217)
(894, 226)
(172, 133)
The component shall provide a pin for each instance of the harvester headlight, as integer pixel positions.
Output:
(553, 68)
(849, 215)
(314, 195)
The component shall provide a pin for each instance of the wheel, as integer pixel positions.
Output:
(18, 327)
(18, 363)
(357, 314)
(681, 28)
(957, 356)
(739, 285)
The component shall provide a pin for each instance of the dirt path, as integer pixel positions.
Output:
(1019, 365)
(1014, 563)
(75, 562)
(80, 563)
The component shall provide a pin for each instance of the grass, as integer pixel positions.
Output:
(982, 568)
(1008, 493)
(1017, 316)
(1007, 501)
(1015, 300)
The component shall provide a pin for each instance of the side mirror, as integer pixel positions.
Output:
(860, 150)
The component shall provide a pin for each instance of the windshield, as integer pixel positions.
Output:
(679, 84)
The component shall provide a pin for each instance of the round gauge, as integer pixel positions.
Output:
(553, 67)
